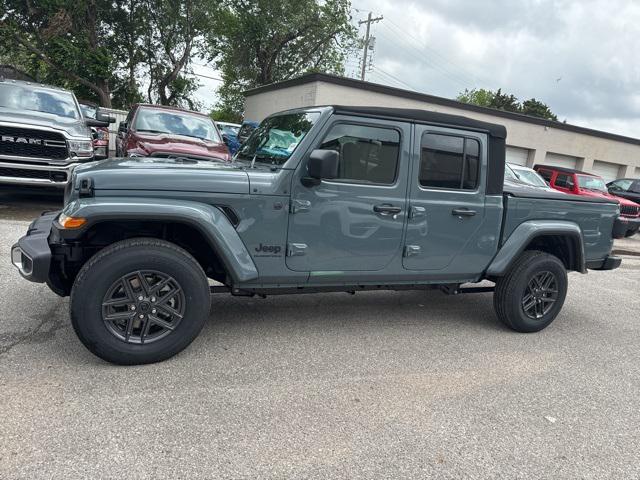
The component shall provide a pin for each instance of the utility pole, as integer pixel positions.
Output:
(365, 52)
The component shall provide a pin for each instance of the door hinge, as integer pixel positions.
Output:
(411, 250)
(296, 249)
(415, 212)
(298, 206)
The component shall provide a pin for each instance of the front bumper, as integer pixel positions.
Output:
(37, 175)
(623, 225)
(32, 255)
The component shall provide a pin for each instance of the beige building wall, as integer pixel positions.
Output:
(539, 139)
(257, 107)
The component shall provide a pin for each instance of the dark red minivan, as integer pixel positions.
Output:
(161, 131)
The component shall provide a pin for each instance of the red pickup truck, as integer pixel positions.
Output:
(572, 181)
(161, 131)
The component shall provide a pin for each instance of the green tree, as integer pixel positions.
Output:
(504, 101)
(477, 96)
(536, 108)
(66, 41)
(174, 38)
(257, 42)
(103, 49)
(225, 114)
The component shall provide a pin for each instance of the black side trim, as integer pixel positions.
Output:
(495, 172)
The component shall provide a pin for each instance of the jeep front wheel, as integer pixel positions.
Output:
(532, 293)
(139, 301)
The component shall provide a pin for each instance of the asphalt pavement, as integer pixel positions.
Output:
(375, 385)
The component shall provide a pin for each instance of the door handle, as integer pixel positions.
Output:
(463, 212)
(386, 209)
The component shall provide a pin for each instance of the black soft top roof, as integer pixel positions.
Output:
(426, 116)
(561, 169)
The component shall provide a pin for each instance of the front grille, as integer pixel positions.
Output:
(629, 210)
(33, 174)
(24, 142)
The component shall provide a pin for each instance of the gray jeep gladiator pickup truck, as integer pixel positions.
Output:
(318, 199)
(43, 134)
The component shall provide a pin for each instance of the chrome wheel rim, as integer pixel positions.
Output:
(143, 306)
(540, 295)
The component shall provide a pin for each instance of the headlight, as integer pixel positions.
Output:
(81, 148)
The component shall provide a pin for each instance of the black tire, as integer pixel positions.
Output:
(514, 289)
(630, 233)
(151, 258)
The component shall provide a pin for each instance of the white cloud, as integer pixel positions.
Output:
(578, 56)
(524, 47)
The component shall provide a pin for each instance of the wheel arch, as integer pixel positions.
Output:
(203, 230)
(562, 239)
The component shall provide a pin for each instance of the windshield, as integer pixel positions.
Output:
(35, 99)
(591, 183)
(154, 120)
(532, 178)
(228, 129)
(276, 138)
(509, 174)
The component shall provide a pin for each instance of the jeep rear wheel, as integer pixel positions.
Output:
(532, 293)
(139, 301)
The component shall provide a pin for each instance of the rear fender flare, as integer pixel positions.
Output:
(530, 230)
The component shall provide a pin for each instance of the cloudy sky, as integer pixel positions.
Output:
(581, 57)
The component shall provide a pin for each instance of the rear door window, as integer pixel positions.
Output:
(449, 161)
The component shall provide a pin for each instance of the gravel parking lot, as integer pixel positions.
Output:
(376, 385)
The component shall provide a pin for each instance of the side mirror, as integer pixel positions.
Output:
(103, 117)
(122, 127)
(92, 122)
(323, 164)
(225, 139)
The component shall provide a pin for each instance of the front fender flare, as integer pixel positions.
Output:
(529, 231)
(210, 221)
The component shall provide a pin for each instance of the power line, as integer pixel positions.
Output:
(394, 78)
(204, 76)
(463, 72)
(429, 62)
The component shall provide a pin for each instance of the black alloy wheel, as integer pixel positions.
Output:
(140, 300)
(143, 306)
(540, 295)
(531, 294)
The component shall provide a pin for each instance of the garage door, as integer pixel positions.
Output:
(608, 171)
(519, 156)
(558, 160)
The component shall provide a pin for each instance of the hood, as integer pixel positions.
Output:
(624, 201)
(607, 195)
(169, 144)
(73, 127)
(164, 174)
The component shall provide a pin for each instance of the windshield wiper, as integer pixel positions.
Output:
(195, 136)
(150, 130)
